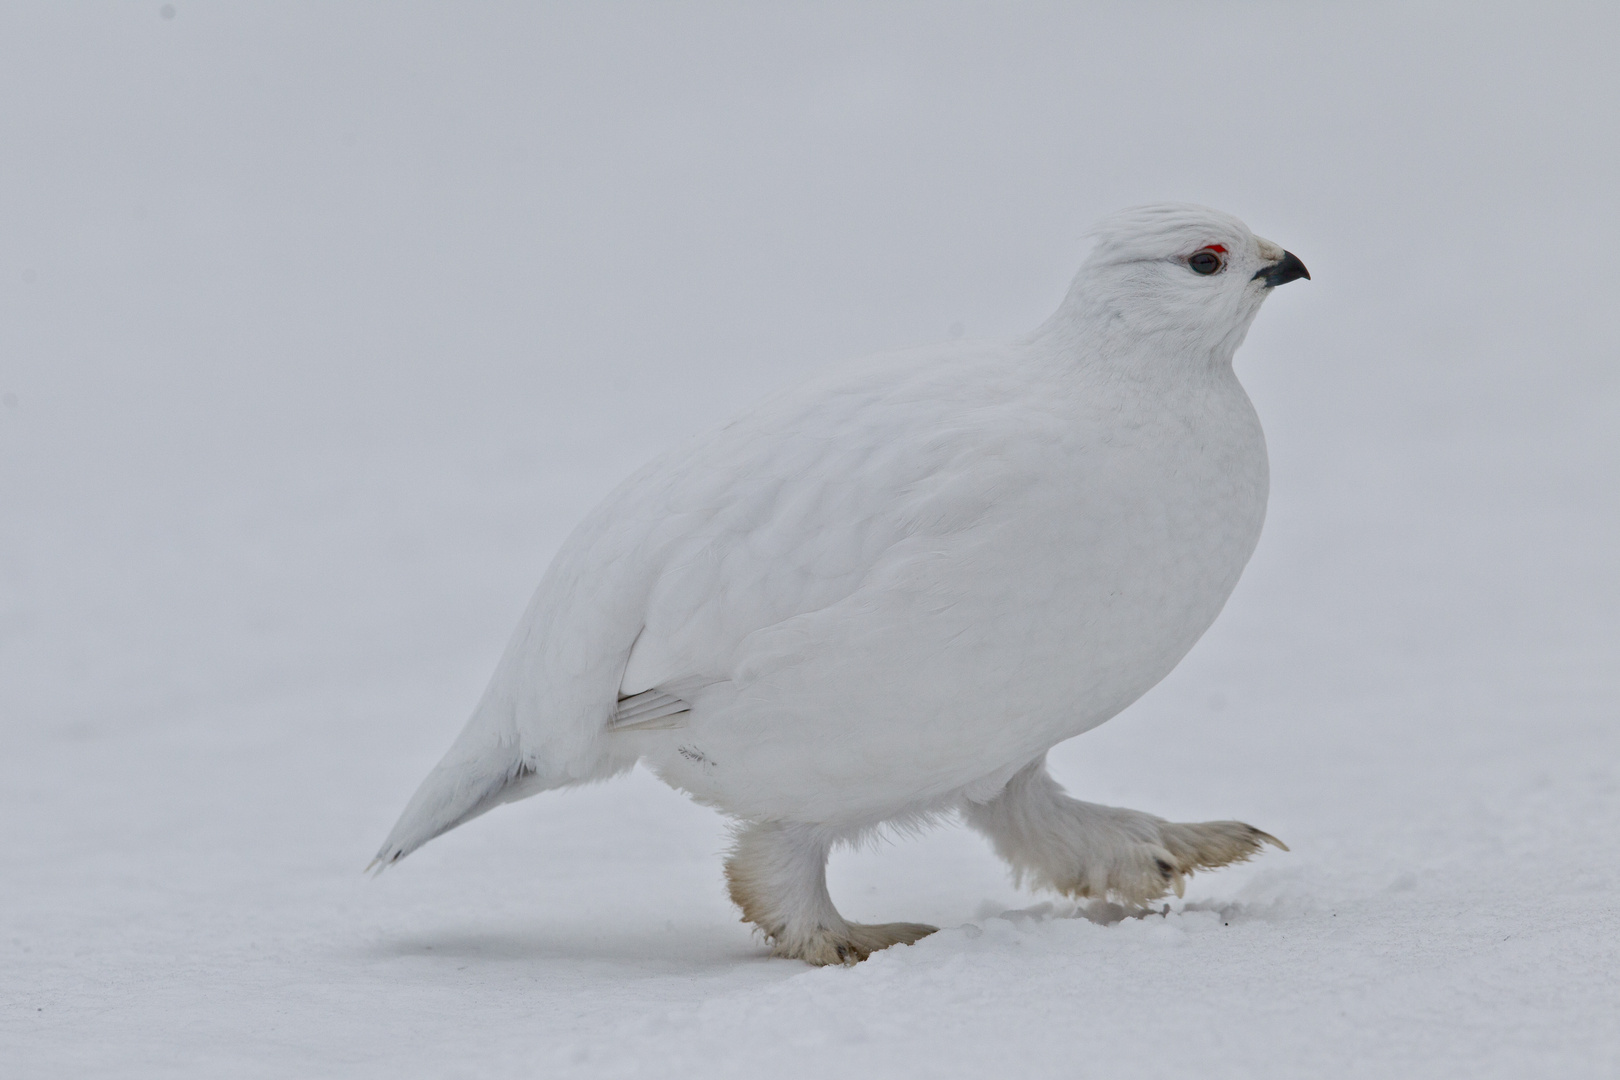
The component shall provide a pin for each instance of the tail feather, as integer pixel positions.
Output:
(460, 788)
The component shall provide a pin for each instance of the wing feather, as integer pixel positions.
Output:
(648, 710)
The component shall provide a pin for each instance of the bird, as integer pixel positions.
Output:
(878, 598)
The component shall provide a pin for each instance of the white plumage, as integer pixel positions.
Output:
(884, 594)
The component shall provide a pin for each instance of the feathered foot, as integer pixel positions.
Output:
(850, 944)
(777, 874)
(1085, 850)
(1209, 844)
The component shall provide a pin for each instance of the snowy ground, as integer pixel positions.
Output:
(320, 326)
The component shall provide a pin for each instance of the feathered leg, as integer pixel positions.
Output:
(1085, 850)
(777, 874)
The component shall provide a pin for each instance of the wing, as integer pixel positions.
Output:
(791, 509)
(648, 710)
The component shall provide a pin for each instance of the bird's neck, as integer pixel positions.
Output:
(1095, 330)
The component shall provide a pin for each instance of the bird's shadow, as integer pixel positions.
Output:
(669, 950)
(1108, 913)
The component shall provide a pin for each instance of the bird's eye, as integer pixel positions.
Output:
(1207, 261)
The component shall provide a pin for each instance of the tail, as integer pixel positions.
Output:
(481, 771)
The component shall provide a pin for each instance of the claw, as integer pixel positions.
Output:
(1268, 838)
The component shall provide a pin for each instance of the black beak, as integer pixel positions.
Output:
(1281, 273)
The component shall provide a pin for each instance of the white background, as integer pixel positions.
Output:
(321, 324)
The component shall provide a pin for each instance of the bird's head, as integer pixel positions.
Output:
(1172, 280)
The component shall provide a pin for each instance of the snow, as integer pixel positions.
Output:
(319, 328)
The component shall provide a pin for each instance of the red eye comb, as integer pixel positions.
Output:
(1216, 247)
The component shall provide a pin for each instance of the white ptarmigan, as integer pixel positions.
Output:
(884, 595)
